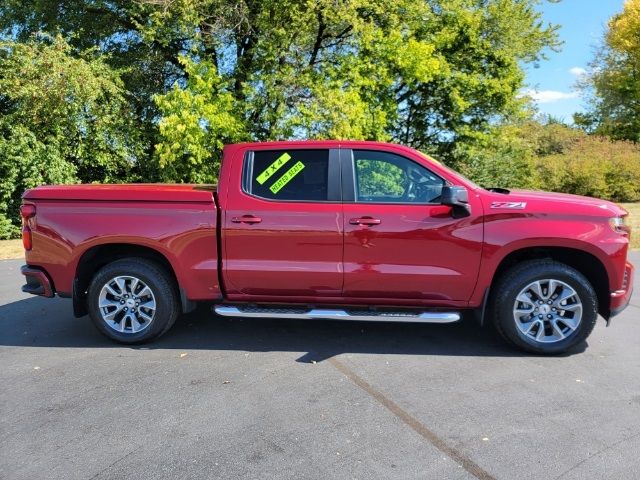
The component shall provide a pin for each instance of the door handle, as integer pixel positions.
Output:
(246, 219)
(369, 221)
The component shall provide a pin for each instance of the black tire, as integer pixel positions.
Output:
(159, 282)
(509, 286)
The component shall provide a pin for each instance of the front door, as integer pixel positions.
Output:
(400, 242)
(283, 227)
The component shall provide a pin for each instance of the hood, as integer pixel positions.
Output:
(550, 203)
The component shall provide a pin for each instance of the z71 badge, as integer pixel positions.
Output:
(512, 205)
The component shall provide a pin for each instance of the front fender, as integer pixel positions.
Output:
(506, 234)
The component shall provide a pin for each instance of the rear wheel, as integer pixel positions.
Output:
(132, 300)
(543, 306)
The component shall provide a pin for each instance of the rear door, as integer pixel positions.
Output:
(400, 242)
(283, 225)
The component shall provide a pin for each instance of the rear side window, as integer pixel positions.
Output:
(301, 175)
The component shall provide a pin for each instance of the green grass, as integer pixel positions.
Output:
(11, 249)
(634, 221)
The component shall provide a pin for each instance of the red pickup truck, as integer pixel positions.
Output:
(332, 230)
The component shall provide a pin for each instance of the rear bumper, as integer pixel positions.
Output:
(621, 298)
(38, 282)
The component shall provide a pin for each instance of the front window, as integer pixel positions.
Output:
(383, 177)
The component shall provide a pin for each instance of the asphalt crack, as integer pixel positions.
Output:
(456, 455)
(596, 454)
(113, 463)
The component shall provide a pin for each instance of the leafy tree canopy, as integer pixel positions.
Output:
(615, 81)
(63, 118)
(427, 74)
(432, 74)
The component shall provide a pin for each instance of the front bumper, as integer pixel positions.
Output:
(621, 298)
(38, 282)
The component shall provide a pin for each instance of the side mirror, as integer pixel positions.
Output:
(458, 198)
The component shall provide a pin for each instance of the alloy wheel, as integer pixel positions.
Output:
(127, 304)
(547, 311)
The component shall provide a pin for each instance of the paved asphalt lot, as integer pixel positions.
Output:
(220, 398)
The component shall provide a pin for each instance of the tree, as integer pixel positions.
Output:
(197, 121)
(114, 31)
(428, 74)
(431, 74)
(615, 79)
(62, 119)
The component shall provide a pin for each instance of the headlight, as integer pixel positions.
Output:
(619, 224)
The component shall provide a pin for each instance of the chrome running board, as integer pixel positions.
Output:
(319, 313)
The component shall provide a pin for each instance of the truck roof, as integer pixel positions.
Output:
(301, 144)
(318, 143)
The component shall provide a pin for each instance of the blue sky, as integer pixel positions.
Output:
(582, 23)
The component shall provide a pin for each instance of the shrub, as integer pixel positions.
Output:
(558, 158)
(506, 159)
(596, 167)
(7, 229)
(26, 162)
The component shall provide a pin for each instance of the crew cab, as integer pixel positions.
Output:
(330, 230)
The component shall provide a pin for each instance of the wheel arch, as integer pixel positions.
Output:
(96, 257)
(584, 262)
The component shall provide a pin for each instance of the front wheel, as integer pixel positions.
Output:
(132, 300)
(543, 306)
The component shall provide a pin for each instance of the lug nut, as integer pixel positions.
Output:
(549, 302)
(549, 317)
(126, 309)
(540, 317)
(122, 302)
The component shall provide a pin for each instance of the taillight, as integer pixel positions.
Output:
(27, 212)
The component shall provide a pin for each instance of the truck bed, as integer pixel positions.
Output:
(147, 192)
(82, 226)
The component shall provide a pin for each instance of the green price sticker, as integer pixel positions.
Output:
(287, 177)
(273, 168)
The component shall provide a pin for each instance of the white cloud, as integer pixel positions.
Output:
(549, 96)
(578, 71)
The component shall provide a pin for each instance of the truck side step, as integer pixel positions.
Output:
(330, 314)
